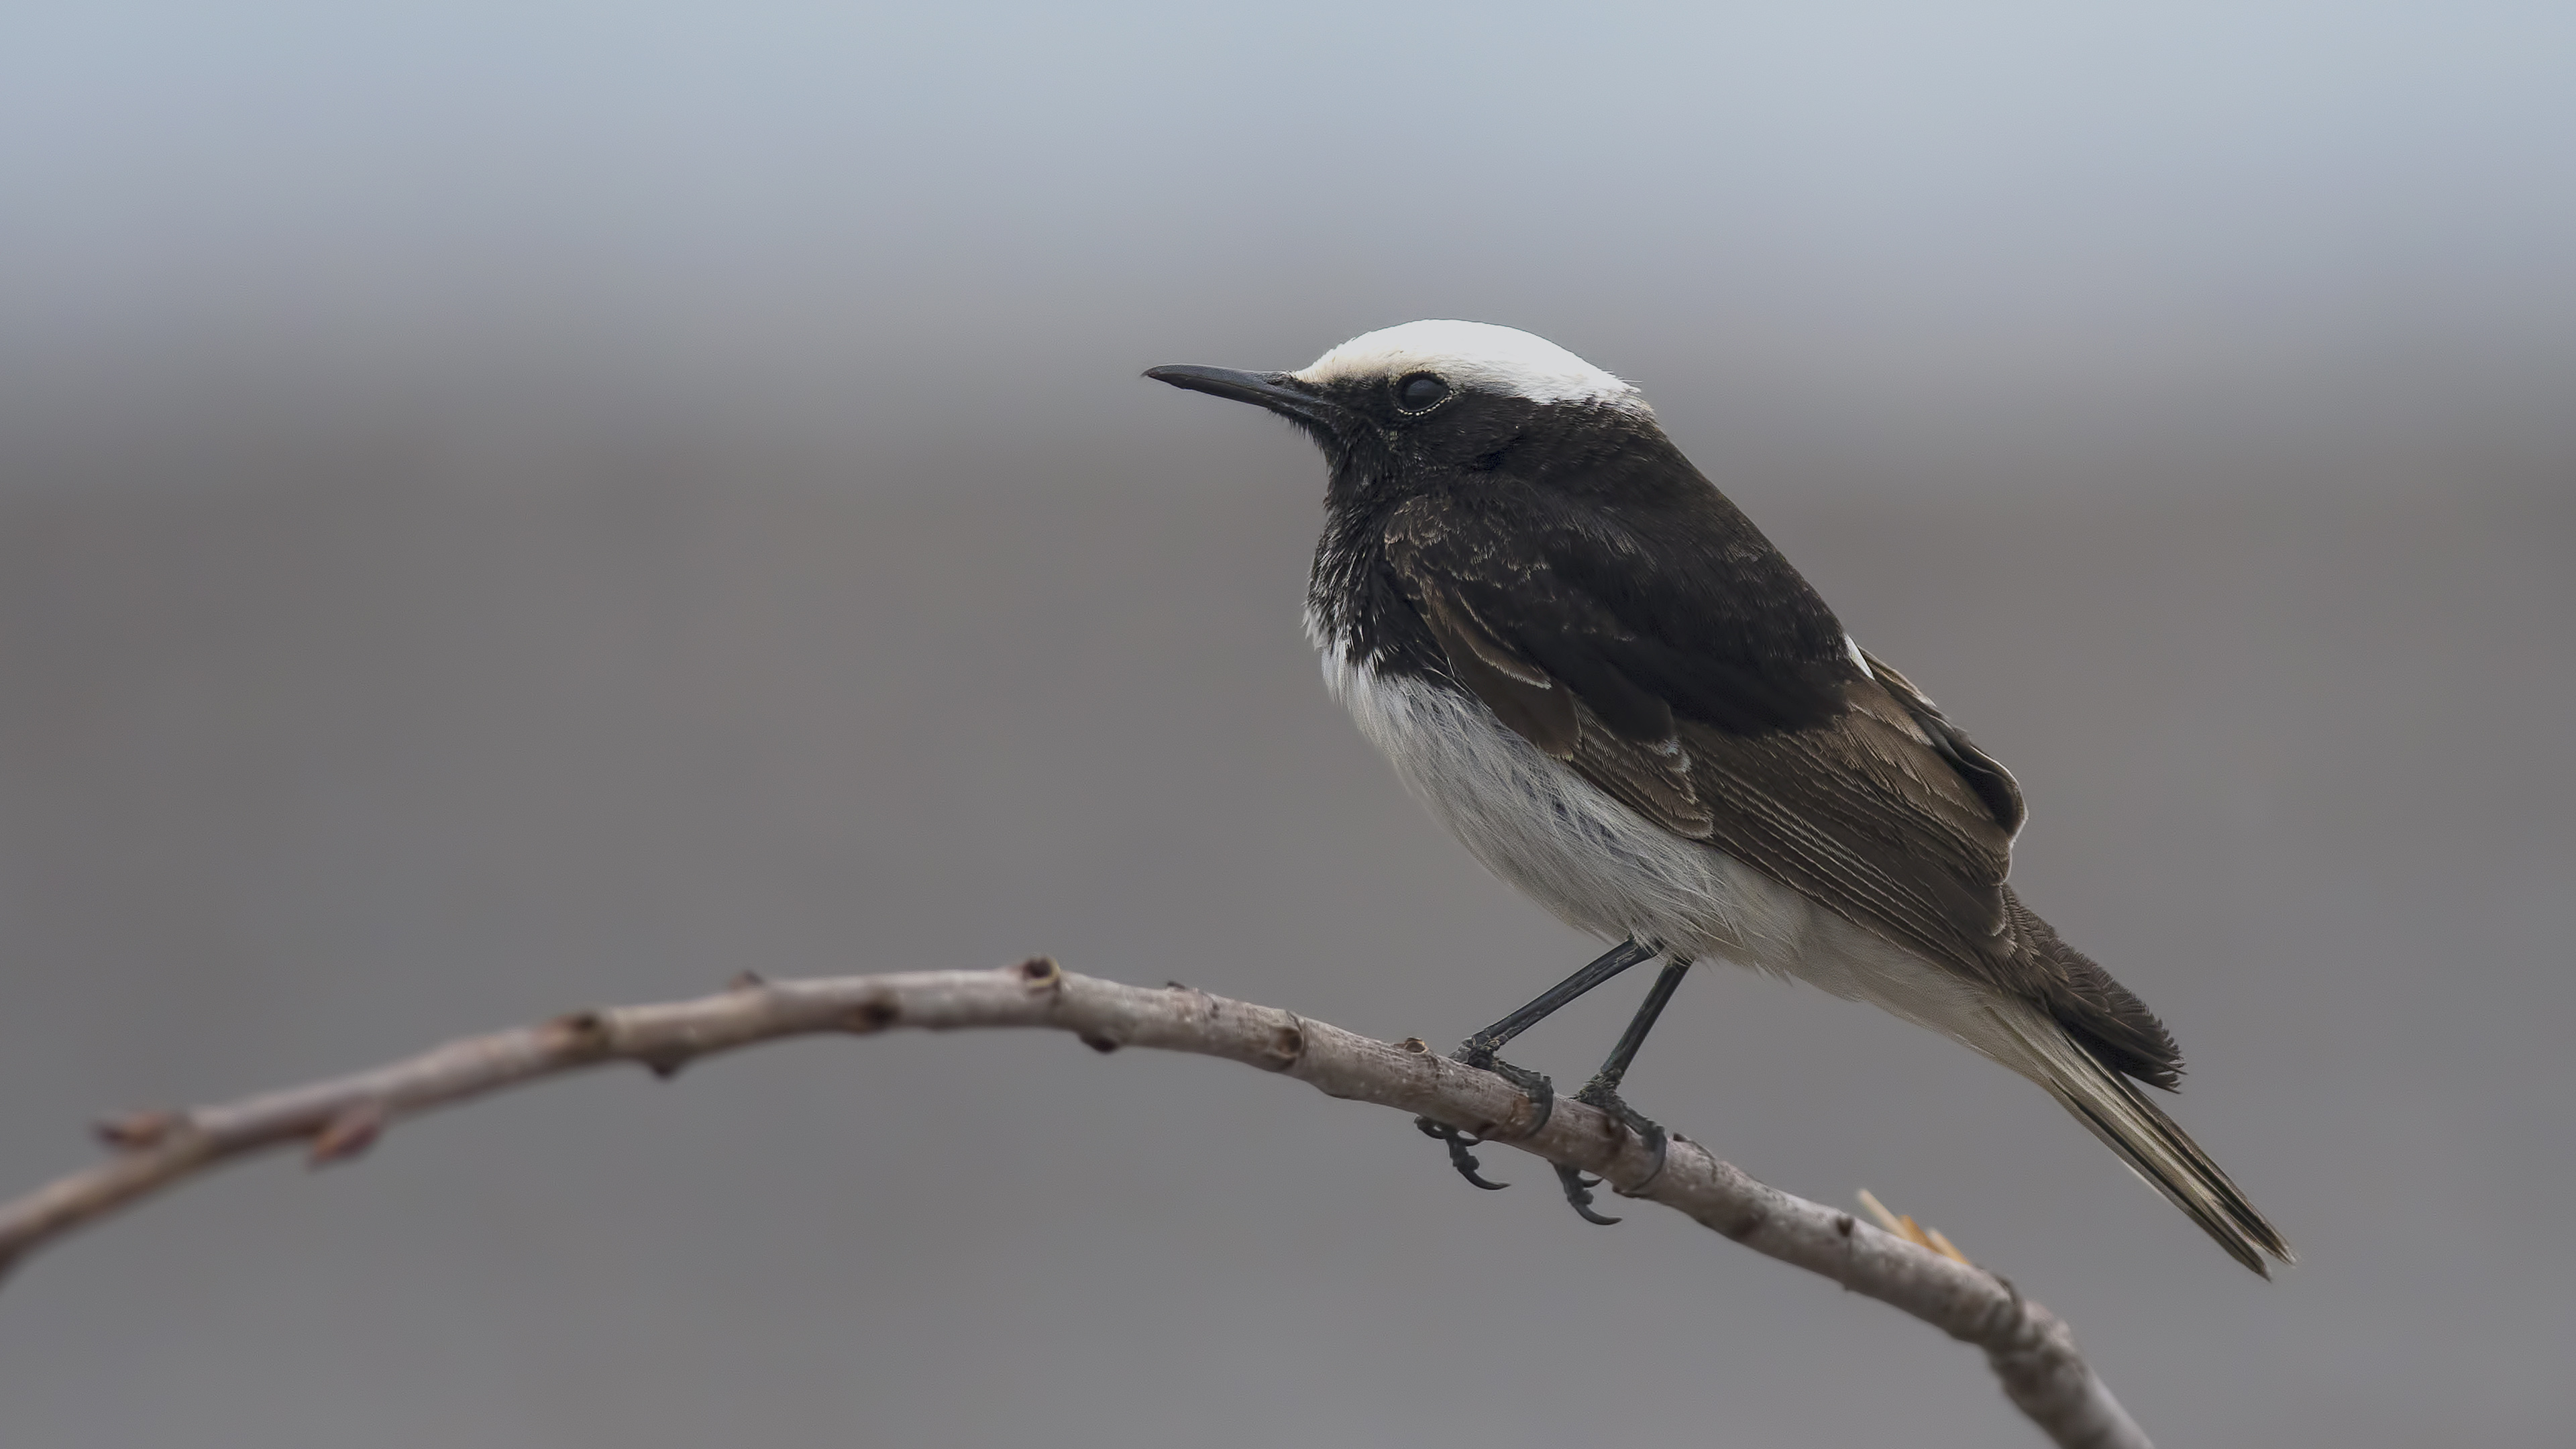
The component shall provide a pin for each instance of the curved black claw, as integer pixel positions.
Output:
(1459, 1157)
(1540, 1091)
(1578, 1193)
(1600, 1095)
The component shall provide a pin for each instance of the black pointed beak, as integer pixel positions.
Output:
(1276, 391)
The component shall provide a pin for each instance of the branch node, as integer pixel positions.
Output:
(874, 1015)
(135, 1131)
(584, 1032)
(746, 981)
(1100, 1044)
(2018, 1320)
(1287, 1044)
(1415, 1045)
(665, 1065)
(1042, 971)
(350, 1132)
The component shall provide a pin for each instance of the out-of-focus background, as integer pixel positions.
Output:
(511, 507)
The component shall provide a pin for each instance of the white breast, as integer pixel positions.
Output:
(1599, 866)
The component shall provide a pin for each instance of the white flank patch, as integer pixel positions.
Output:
(1476, 355)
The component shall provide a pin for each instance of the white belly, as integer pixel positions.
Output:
(1606, 870)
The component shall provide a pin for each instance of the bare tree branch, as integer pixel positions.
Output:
(2030, 1349)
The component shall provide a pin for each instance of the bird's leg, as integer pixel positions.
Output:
(1480, 1050)
(1603, 1092)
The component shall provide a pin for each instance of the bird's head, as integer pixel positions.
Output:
(1428, 402)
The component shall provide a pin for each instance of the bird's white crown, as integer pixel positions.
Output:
(1477, 355)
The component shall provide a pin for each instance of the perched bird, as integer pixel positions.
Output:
(1621, 698)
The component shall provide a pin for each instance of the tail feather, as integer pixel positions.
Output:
(2150, 1142)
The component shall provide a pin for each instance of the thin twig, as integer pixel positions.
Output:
(2030, 1349)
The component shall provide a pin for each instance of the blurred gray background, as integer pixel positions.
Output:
(510, 507)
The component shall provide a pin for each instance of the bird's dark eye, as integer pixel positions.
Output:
(1419, 392)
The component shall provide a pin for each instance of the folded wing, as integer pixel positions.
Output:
(1814, 764)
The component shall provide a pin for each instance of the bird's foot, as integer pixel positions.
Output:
(1459, 1157)
(1535, 1085)
(1604, 1097)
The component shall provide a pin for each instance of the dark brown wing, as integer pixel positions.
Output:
(1832, 775)
(1862, 813)
(1984, 774)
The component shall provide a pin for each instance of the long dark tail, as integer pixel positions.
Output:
(2149, 1141)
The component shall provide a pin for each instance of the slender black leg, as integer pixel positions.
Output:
(1480, 1051)
(1603, 1091)
(1615, 1070)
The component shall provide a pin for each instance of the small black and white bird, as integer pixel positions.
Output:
(1612, 689)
